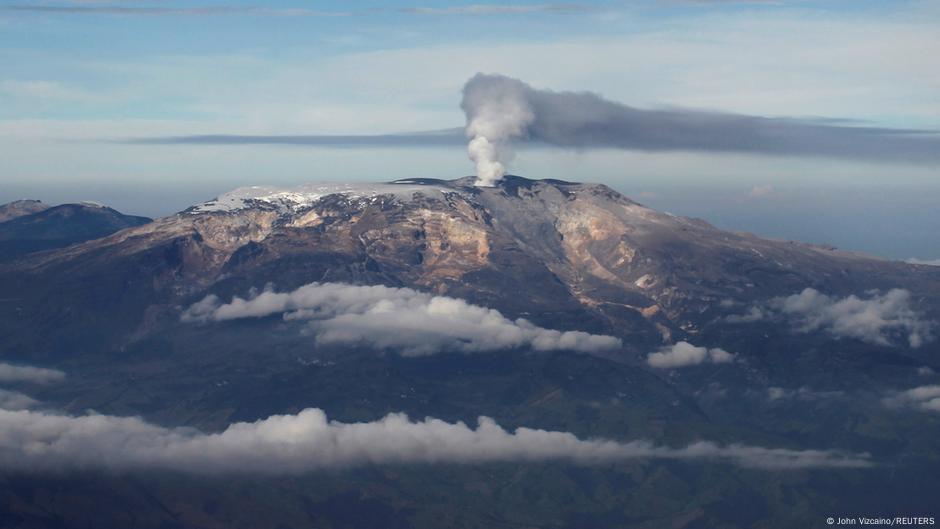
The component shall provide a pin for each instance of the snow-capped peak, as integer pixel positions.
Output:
(290, 199)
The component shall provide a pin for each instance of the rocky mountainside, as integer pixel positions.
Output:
(28, 226)
(725, 337)
(19, 208)
(573, 256)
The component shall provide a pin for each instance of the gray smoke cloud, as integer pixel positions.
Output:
(36, 375)
(500, 110)
(683, 354)
(400, 319)
(875, 319)
(293, 444)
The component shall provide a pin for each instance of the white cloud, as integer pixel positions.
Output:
(490, 9)
(684, 354)
(14, 400)
(711, 61)
(38, 375)
(875, 319)
(149, 11)
(928, 262)
(926, 398)
(293, 444)
(400, 319)
(714, 61)
(761, 191)
(753, 314)
(45, 90)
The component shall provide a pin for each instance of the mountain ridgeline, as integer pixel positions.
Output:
(707, 335)
(28, 226)
(565, 255)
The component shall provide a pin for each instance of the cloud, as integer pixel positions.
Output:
(684, 354)
(38, 375)
(435, 138)
(754, 313)
(45, 90)
(256, 10)
(294, 444)
(491, 9)
(42, 441)
(761, 191)
(583, 120)
(14, 400)
(928, 262)
(586, 120)
(168, 11)
(925, 398)
(875, 319)
(400, 319)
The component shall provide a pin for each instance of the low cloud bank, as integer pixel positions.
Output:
(36, 375)
(928, 262)
(926, 398)
(14, 400)
(877, 319)
(293, 444)
(684, 354)
(399, 319)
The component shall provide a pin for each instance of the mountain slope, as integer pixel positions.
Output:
(33, 227)
(19, 208)
(567, 256)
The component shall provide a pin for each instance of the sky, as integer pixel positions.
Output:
(89, 89)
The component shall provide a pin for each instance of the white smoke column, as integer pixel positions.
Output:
(497, 110)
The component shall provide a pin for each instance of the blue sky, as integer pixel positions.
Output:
(75, 76)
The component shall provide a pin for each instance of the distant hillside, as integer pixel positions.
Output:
(28, 226)
(19, 208)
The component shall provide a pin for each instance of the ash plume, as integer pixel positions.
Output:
(501, 110)
(497, 110)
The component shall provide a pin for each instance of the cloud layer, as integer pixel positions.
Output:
(929, 262)
(400, 319)
(36, 375)
(14, 400)
(43, 441)
(877, 319)
(431, 138)
(501, 111)
(293, 444)
(926, 398)
(257, 10)
(684, 354)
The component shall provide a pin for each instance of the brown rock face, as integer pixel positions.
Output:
(573, 256)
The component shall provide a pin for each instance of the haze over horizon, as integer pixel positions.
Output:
(127, 125)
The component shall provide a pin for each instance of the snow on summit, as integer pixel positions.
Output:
(288, 199)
